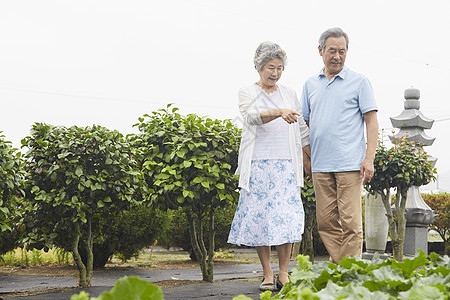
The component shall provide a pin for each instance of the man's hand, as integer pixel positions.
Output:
(367, 170)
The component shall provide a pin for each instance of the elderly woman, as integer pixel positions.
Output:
(274, 137)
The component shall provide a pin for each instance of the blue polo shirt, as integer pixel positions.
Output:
(335, 110)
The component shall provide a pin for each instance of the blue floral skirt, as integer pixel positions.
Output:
(271, 213)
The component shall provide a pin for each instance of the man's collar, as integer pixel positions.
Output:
(341, 74)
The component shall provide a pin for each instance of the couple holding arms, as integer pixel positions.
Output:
(321, 135)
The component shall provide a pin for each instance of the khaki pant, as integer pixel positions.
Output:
(339, 213)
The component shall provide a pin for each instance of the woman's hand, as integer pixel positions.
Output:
(289, 115)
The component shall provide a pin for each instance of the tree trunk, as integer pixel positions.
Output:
(296, 250)
(307, 244)
(198, 244)
(393, 225)
(77, 257)
(211, 246)
(89, 251)
(397, 224)
(402, 194)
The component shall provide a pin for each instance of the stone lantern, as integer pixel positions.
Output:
(419, 215)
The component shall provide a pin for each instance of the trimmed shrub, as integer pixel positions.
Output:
(440, 203)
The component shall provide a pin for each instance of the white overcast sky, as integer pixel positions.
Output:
(109, 62)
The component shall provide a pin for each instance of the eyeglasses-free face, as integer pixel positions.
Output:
(334, 55)
(271, 72)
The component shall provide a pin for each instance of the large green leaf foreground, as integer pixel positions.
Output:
(424, 277)
(127, 288)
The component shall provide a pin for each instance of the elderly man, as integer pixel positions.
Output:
(336, 104)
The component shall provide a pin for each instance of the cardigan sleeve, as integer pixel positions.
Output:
(248, 109)
(304, 129)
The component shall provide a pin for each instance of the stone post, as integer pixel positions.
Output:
(376, 227)
(418, 214)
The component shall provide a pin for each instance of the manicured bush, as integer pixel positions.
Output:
(440, 203)
(189, 162)
(12, 181)
(400, 167)
(78, 173)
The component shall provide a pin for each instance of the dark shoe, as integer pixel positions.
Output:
(267, 286)
(279, 284)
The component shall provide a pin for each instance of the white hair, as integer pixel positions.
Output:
(267, 51)
(334, 32)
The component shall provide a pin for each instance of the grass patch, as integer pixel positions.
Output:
(35, 257)
(49, 264)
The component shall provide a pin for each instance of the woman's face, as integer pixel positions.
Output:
(271, 72)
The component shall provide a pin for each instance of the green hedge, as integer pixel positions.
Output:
(440, 203)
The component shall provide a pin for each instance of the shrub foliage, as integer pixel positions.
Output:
(399, 167)
(76, 173)
(189, 162)
(440, 203)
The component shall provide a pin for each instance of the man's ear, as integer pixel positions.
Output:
(320, 50)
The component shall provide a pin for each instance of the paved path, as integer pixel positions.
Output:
(230, 281)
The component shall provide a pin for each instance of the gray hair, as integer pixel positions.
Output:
(267, 51)
(335, 32)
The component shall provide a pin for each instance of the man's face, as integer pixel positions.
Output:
(334, 55)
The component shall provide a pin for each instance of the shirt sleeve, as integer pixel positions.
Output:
(248, 110)
(304, 129)
(366, 97)
(305, 102)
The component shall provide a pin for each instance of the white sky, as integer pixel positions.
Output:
(109, 62)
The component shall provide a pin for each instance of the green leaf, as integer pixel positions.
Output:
(81, 296)
(131, 288)
(205, 184)
(180, 199)
(425, 292)
(409, 266)
(79, 171)
(197, 180)
(189, 194)
(220, 186)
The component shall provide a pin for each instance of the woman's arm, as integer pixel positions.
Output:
(289, 115)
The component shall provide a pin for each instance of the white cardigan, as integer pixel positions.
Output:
(298, 132)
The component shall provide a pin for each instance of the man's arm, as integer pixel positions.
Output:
(307, 159)
(367, 168)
